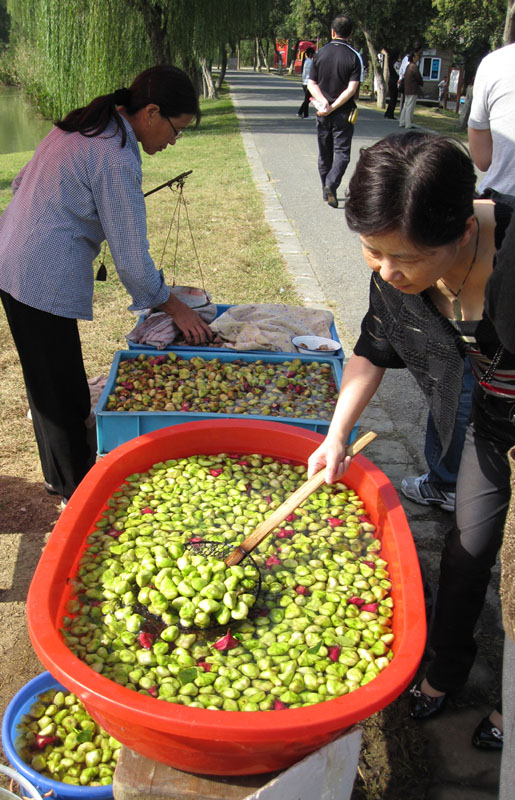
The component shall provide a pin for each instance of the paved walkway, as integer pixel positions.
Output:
(325, 261)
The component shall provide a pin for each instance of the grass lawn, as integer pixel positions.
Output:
(437, 119)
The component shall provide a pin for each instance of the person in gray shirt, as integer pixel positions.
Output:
(83, 186)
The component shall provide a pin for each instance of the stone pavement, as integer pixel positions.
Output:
(325, 262)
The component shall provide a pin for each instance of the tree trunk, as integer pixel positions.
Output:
(291, 65)
(223, 69)
(377, 74)
(154, 17)
(263, 53)
(464, 113)
(509, 27)
(208, 87)
(258, 55)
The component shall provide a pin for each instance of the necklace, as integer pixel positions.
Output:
(456, 305)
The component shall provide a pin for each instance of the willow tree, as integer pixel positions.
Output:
(193, 33)
(68, 51)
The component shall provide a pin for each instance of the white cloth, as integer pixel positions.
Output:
(493, 108)
(403, 67)
(270, 326)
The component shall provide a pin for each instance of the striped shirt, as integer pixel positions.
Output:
(75, 192)
(501, 383)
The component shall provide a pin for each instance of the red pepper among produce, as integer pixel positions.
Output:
(356, 601)
(334, 652)
(42, 741)
(227, 642)
(146, 640)
(370, 607)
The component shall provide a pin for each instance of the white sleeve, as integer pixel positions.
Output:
(479, 118)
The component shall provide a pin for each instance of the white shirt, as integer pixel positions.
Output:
(493, 108)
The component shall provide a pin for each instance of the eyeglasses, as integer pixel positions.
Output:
(176, 133)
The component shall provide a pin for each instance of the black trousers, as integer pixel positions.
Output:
(392, 101)
(334, 134)
(482, 497)
(57, 390)
(304, 107)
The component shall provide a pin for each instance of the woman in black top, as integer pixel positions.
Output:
(440, 288)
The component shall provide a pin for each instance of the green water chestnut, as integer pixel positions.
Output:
(150, 612)
(71, 748)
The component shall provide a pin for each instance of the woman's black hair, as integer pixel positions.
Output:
(166, 86)
(420, 185)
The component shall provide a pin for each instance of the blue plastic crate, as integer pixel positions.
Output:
(217, 350)
(116, 427)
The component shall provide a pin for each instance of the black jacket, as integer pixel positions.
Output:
(401, 330)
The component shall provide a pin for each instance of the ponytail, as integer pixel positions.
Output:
(166, 86)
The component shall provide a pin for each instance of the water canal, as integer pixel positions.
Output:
(20, 128)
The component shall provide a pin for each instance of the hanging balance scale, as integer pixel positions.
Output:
(176, 185)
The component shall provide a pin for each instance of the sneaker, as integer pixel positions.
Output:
(420, 491)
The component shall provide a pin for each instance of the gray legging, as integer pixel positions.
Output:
(482, 497)
(508, 697)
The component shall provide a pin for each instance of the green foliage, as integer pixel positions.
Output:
(69, 51)
(470, 28)
(468, 22)
(5, 22)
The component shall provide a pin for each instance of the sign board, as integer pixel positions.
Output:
(454, 87)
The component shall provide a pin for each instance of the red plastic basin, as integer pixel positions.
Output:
(202, 740)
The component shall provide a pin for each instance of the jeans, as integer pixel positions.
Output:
(443, 472)
(482, 497)
(334, 134)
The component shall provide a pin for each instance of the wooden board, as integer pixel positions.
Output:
(327, 774)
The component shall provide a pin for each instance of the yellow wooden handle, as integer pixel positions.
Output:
(290, 504)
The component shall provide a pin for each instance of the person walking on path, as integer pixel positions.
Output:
(306, 68)
(83, 185)
(412, 83)
(334, 81)
(393, 85)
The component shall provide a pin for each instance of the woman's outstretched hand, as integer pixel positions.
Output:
(332, 456)
(191, 325)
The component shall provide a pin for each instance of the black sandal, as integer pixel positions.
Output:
(422, 705)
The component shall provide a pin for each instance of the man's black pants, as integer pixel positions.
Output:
(334, 134)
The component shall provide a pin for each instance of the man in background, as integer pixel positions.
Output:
(491, 125)
(334, 81)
